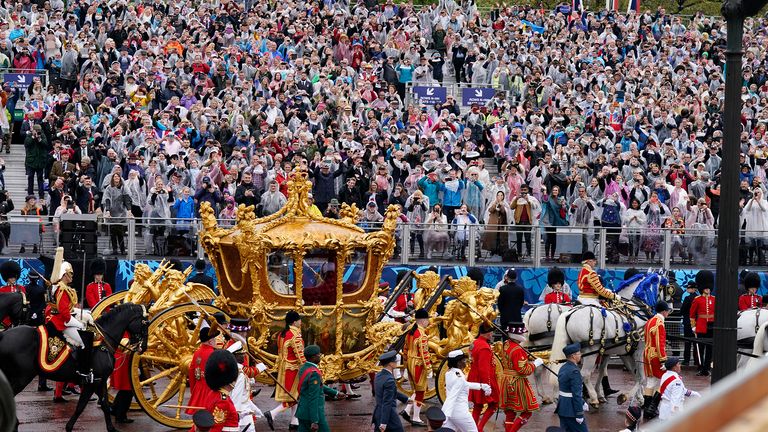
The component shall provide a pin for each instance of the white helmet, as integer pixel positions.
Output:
(66, 267)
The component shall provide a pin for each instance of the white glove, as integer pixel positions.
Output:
(585, 407)
(34, 316)
(693, 329)
(430, 374)
(579, 420)
(538, 362)
(486, 389)
(261, 367)
(694, 393)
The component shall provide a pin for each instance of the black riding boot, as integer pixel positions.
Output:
(84, 356)
(607, 390)
(652, 410)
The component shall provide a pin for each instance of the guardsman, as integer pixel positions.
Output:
(60, 315)
(457, 388)
(418, 362)
(518, 399)
(570, 403)
(220, 376)
(208, 344)
(556, 281)
(703, 317)
(385, 413)
(10, 271)
(654, 356)
(311, 407)
(750, 300)
(591, 290)
(97, 290)
(483, 371)
(673, 391)
(241, 392)
(290, 357)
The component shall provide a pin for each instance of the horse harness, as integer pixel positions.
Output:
(550, 332)
(622, 312)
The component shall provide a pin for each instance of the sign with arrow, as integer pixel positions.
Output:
(430, 94)
(478, 95)
(19, 80)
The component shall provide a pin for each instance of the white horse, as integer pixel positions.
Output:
(759, 349)
(748, 324)
(611, 333)
(540, 322)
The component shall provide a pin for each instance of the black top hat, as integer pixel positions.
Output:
(207, 333)
(10, 269)
(200, 265)
(588, 255)
(422, 314)
(220, 369)
(291, 317)
(239, 324)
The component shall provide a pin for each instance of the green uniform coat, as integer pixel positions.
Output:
(311, 408)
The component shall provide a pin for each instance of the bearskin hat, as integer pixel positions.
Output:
(98, 266)
(10, 269)
(705, 279)
(555, 276)
(220, 369)
(751, 280)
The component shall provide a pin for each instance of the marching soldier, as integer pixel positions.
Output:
(97, 290)
(518, 399)
(220, 376)
(311, 408)
(61, 315)
(385, 413)
(457, 388)
(290, 357)
(241, 392)
(10, 271)
(750, 300)
(418, 363)
(570, 403)
(591, 290)
(654, 356)
(556, 281)
(483, 371)
(703, 317)
(208, 344)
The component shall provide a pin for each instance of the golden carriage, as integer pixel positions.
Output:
(328, 270)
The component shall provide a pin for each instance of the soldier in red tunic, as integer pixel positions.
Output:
(220, 375)
(120, 380)
(751, 300)
(10, 271)
(290, 357)
(703, 317)
(483, 371)
(591, 290)
(556, 280)
(518, 399)
(654, 356)
(418, 363)
(208, 343)
(97, 290)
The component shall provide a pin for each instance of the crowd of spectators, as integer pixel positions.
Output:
(602, 119)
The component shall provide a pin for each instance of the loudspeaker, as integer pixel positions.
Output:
(78, 237)
(74, 250)
(75, 222)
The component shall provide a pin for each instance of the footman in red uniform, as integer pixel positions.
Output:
(483, 371)
(518, 399)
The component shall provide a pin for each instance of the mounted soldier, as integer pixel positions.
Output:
(591, 290)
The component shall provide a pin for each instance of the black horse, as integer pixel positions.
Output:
(15, 306)
(19, 348)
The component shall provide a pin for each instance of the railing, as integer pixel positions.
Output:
(485, 245)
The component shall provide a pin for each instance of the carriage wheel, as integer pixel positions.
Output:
(98, 310)
(405, 387)
(159, 375)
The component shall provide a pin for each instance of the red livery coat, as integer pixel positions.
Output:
(483, 371)
(655, 351)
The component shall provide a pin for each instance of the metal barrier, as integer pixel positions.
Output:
(485, 245)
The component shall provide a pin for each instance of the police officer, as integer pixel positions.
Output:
(385, 413)
(570, 403)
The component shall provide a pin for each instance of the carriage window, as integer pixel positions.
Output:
(280, 273)
(319, 276)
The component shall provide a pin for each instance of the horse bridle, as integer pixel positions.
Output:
(131, 347)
